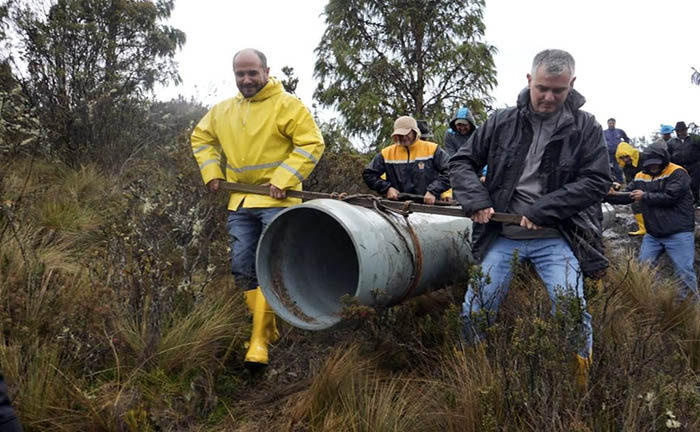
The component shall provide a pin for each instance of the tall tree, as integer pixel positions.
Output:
(88, 64)
(381, 59)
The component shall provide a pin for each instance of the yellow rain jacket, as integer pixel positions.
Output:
(624, 149)
(268, 138)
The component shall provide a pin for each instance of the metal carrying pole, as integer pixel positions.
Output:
(368, 201)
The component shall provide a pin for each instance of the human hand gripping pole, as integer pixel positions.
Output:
(362, 200)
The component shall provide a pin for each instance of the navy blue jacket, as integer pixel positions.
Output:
(613, 137)
(419, 168)
(667, 203)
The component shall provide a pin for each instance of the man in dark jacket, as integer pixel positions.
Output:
(411, 165)
(462, 126)
(613, 137)
(662, 190)
(684, 150)
(548, 163)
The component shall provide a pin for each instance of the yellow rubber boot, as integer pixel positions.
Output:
(640, 223)
(582, 367)
(250, 297)
(264, 332)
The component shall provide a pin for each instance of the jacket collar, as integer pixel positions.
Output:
(270, 89)
(574, 100)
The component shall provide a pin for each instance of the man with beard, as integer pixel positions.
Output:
(268, 138)
(628, 159)
(548, 164)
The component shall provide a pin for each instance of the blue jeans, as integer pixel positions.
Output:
(680, 248)
(553, 261)
(245, 226)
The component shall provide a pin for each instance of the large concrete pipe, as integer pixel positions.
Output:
(608, 215)
(312, 255)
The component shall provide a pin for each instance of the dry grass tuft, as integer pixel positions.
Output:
(349, 393)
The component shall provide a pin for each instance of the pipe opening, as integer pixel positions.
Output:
(308, 261)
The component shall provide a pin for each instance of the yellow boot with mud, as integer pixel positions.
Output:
(250, 297)
(264, 332)
(640, 223)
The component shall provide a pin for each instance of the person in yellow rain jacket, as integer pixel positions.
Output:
(628, 159)
(268, 138)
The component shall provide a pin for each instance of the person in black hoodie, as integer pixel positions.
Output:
(662, 190)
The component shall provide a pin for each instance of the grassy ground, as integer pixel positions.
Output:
(117, 313)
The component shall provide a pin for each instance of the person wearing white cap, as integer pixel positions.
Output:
(410, 165)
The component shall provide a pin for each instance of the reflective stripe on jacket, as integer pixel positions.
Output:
(268, 138)
(415, 169)
(667, 203)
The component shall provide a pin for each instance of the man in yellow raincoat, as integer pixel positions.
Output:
(268, 137)
(628, 159)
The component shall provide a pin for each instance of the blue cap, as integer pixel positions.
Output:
(462, 113)
(666, 129)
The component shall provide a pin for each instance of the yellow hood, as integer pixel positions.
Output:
(624, 149)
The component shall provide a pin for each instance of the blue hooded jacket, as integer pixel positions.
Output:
(453, 139)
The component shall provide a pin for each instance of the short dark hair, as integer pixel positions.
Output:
(261, 56)
(612, 119)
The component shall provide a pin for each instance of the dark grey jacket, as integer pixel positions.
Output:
(575, 170)
(686, 153)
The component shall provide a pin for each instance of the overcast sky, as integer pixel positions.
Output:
(633, 58)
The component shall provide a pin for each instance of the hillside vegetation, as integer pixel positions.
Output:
(117, 308)
(118, 313)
